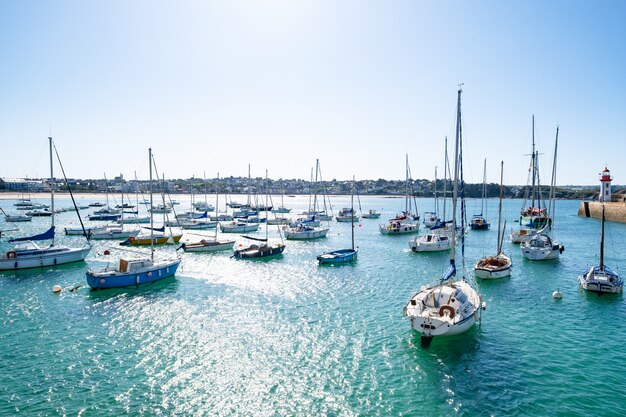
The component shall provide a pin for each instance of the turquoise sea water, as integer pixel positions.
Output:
(287, 337)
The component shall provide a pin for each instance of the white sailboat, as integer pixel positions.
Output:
(407, 222)
(26, 253)
(265, 249)
(600, 279)
(309, 227)
(534, 217)
(542, 245)
(453, 305)
(479, 221)
(212, 244)
(498, 266)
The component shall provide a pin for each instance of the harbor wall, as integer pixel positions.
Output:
(614, 212)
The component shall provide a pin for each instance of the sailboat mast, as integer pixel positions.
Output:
(266, 201)
(436, 201)
(456, 176)
(249, 186)
(151, 205)
(602, 242)
(500, 206)
(445, 179)
(51, 184)
(106, 189)
(483, 206)
(352, 208)
(217, 201)
(533, 162)
(317, 169)
(205, 188)
(406, 186)
(552, 208)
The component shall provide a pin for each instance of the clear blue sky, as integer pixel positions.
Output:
(213, 86)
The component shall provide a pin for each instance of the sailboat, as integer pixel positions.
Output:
(264, 249)
(600, 279)
(26, 253)
(309, 227)
(134, 271)
(479, 222)
(282, 209)
(452, 306)
(498, 266)
(534, 217)
(542, 245)
(342, 255)
(405, 222)
(106, 213)
(430, 217)
(210, 244)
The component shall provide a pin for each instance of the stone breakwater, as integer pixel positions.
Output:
(615, 212)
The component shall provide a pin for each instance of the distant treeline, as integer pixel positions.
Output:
(241, 185)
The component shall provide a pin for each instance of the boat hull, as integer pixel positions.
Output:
(338, 256)
(239, 228)
(208, 246)
(256, 251)
(485, 272)
(429, 243)
(401, 229)
(142, 241)
(450, 316)
(112, 279)
(43, 258)
(305, 235)
(601, 281)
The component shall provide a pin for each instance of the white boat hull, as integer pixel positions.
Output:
(434, 244)
(42, 258)
(449, 316)
(601, 281)
(305, 235)
(403, 228)
(238, 228)
(208, 246)
(500, 268)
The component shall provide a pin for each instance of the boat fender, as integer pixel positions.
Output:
(562, 249)
(445, 308)
(11, 254)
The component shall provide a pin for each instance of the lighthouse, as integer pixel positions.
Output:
(605, 187)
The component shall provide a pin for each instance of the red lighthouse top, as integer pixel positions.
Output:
(605, 175)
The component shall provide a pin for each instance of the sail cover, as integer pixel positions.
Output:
(255, 238)
(450, 272)
(44, 236)
(157, 229)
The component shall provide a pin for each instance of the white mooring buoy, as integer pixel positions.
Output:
(557, 294)
(56, 289)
